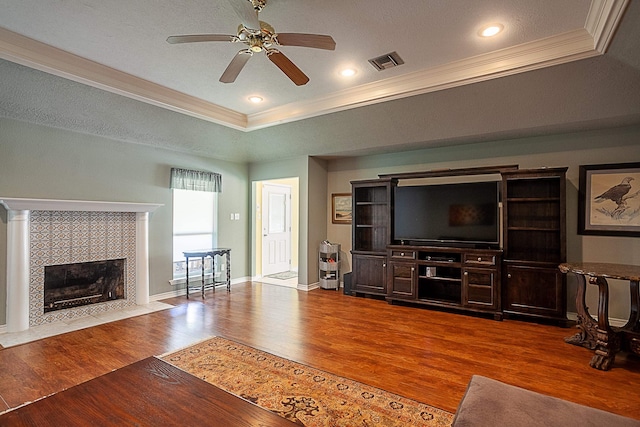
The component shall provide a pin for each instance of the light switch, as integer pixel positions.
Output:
(237, 216)
(231, 216)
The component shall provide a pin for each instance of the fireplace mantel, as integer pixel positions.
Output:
(18, 249)
(21, 204)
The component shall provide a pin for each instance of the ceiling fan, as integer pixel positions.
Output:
(260, 37)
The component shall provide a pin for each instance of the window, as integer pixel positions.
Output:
(194, 227)
(195, 221)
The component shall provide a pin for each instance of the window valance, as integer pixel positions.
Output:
(186, 179)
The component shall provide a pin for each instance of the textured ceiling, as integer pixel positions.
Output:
(602, 90)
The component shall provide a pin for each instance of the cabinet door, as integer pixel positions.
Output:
(480, 288)
(535, 291)
(369, 274)
(403, 279)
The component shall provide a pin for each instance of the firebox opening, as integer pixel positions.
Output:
(73, 285)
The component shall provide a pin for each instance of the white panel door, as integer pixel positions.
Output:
(276, 229)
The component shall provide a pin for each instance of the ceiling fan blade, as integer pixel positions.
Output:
(248, 15)
(316, 41)
(199, 38)
(235, 66)
(289, 68)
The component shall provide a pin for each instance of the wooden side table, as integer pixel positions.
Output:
(601, 336)
(202, 254)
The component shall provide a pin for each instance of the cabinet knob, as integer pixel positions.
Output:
(384, 264)
(466, 273)
(413, 269)
(401, 253)
(509, 275)
(479, 259)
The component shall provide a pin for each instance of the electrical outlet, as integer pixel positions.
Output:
(231, 216)
(237, 216)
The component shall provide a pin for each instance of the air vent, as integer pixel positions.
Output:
(384, 62)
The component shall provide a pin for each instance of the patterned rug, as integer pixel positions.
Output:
(304, 395)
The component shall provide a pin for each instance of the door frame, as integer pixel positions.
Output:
(267, 189)
(257, 222)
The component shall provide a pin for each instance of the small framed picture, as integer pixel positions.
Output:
(341, 208)
(609, 200)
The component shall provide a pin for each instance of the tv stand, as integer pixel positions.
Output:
(522, 280)
(466, 279)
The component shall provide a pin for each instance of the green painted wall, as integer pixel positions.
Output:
(47, 163)
(312, 193)
(41, 162)
(571, 150)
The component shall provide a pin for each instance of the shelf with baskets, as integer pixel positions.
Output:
(329, 265)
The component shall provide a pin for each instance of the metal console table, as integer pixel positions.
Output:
(202, 254)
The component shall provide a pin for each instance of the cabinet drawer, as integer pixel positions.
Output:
(480, 295)
(403, 254)
(403, 271)
(479, 259)
(403, 279)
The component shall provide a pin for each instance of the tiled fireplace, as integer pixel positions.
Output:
(51, 234)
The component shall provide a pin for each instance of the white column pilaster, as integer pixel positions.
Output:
(142, 258)
(18, 243)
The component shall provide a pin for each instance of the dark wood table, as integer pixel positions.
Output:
(213, 253)
(600, 335)
(150, 392)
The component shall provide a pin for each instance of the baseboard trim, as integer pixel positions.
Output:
(183, 291)
(309, 287)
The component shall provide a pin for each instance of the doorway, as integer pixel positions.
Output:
(276, 228)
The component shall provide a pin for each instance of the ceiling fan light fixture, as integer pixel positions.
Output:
(260, 36)
(491, 30)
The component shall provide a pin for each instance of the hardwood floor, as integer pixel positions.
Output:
(106, 401)
(423, 354)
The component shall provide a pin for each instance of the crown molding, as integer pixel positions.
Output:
(40, 56)
(602, 21)
(555, 50)
(593, 40)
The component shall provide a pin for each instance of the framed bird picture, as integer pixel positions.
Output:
(609, 200)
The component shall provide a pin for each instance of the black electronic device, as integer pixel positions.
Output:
(461, 214)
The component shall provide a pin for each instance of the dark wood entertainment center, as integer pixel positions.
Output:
(518, 279)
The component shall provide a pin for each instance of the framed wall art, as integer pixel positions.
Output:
(609, 200)
(341, 210)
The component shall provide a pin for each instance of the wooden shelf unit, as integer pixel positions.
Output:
(372, 230)
(520, 280)
(462, 278)
(534, 216)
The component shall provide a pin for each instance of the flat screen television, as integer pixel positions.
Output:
(461, 214)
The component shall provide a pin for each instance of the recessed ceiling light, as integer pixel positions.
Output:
(256, 99)
(491, 30)
(348, 72)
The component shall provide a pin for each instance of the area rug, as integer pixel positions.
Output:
(307, 396)
(286, 275)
